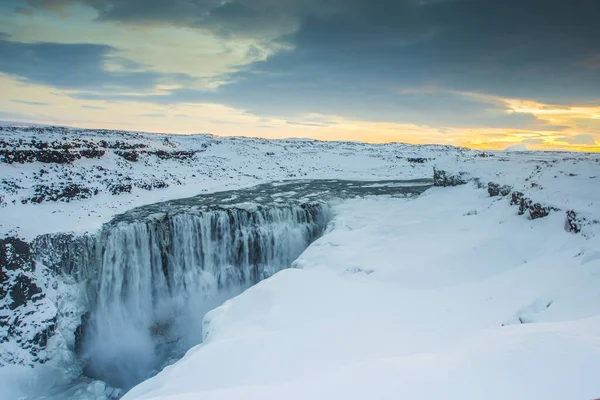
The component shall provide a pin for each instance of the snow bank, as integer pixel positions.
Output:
(451, 295)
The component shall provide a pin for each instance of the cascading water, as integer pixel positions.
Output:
(161, 274)
(130, 299)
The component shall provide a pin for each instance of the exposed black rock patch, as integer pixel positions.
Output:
(65, 253)
(495, 189)
(535, 210)
(417, 160)
(15, 254)
(23, 290)
(128, 155)
(573, 222)
(151, 184)
(118, 188)
(444, 179)
(64, 193)
(44, 156)
(40, 339)
(518, 199)
(176, 155)
(20, 297)
(539, 211)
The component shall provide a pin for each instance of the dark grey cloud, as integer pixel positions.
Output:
(259, 18)
(31, 103)
(357, 61)
(76, 66)
(367, 59)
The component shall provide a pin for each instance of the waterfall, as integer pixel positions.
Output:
(157, 277)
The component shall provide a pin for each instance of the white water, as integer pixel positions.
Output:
(160, 275)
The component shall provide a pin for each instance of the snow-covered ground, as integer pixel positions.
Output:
(451, 295)
(114, 171)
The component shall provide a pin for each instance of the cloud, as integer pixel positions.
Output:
(578, 139)
(93, 107)
(31, 103)
(249, 18)
(152, 115)
(304, 123)
(364, 59)
(510, 48)
(404, 61)
(532, 141)
(77, 66)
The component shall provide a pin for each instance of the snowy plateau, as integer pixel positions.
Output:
(178, 267)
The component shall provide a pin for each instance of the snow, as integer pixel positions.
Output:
(450, 295)
(220, 163)
(410, 299)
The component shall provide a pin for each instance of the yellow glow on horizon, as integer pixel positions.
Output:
(218, 119)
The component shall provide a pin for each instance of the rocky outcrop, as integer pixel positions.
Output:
(418, 160)
(61, 178)
(526, 205)
(573, 222)
(27, 318)
(444, 178)
(495, 189)
(67, 253)
(65, 193)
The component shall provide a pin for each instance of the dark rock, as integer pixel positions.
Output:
(64, 193)
(80, 332)
(505, 190)
(128, 155)
(519, 199)
(417, 160)
(177, 155)
(573, 222)
(516, 198)
(493, 189)
(41, 338)
(23, 291)
(118, 188)
(15, 254)
(44, 156)
(442, 178)
(538, 211)
(92, 153)
(151, 184)
(66, 253)
(496, 190)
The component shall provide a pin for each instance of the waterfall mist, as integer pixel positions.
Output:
(158, 277)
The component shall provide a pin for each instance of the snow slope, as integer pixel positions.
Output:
(57, 179)
(451, 295)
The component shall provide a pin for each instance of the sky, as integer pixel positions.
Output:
(487, 74)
